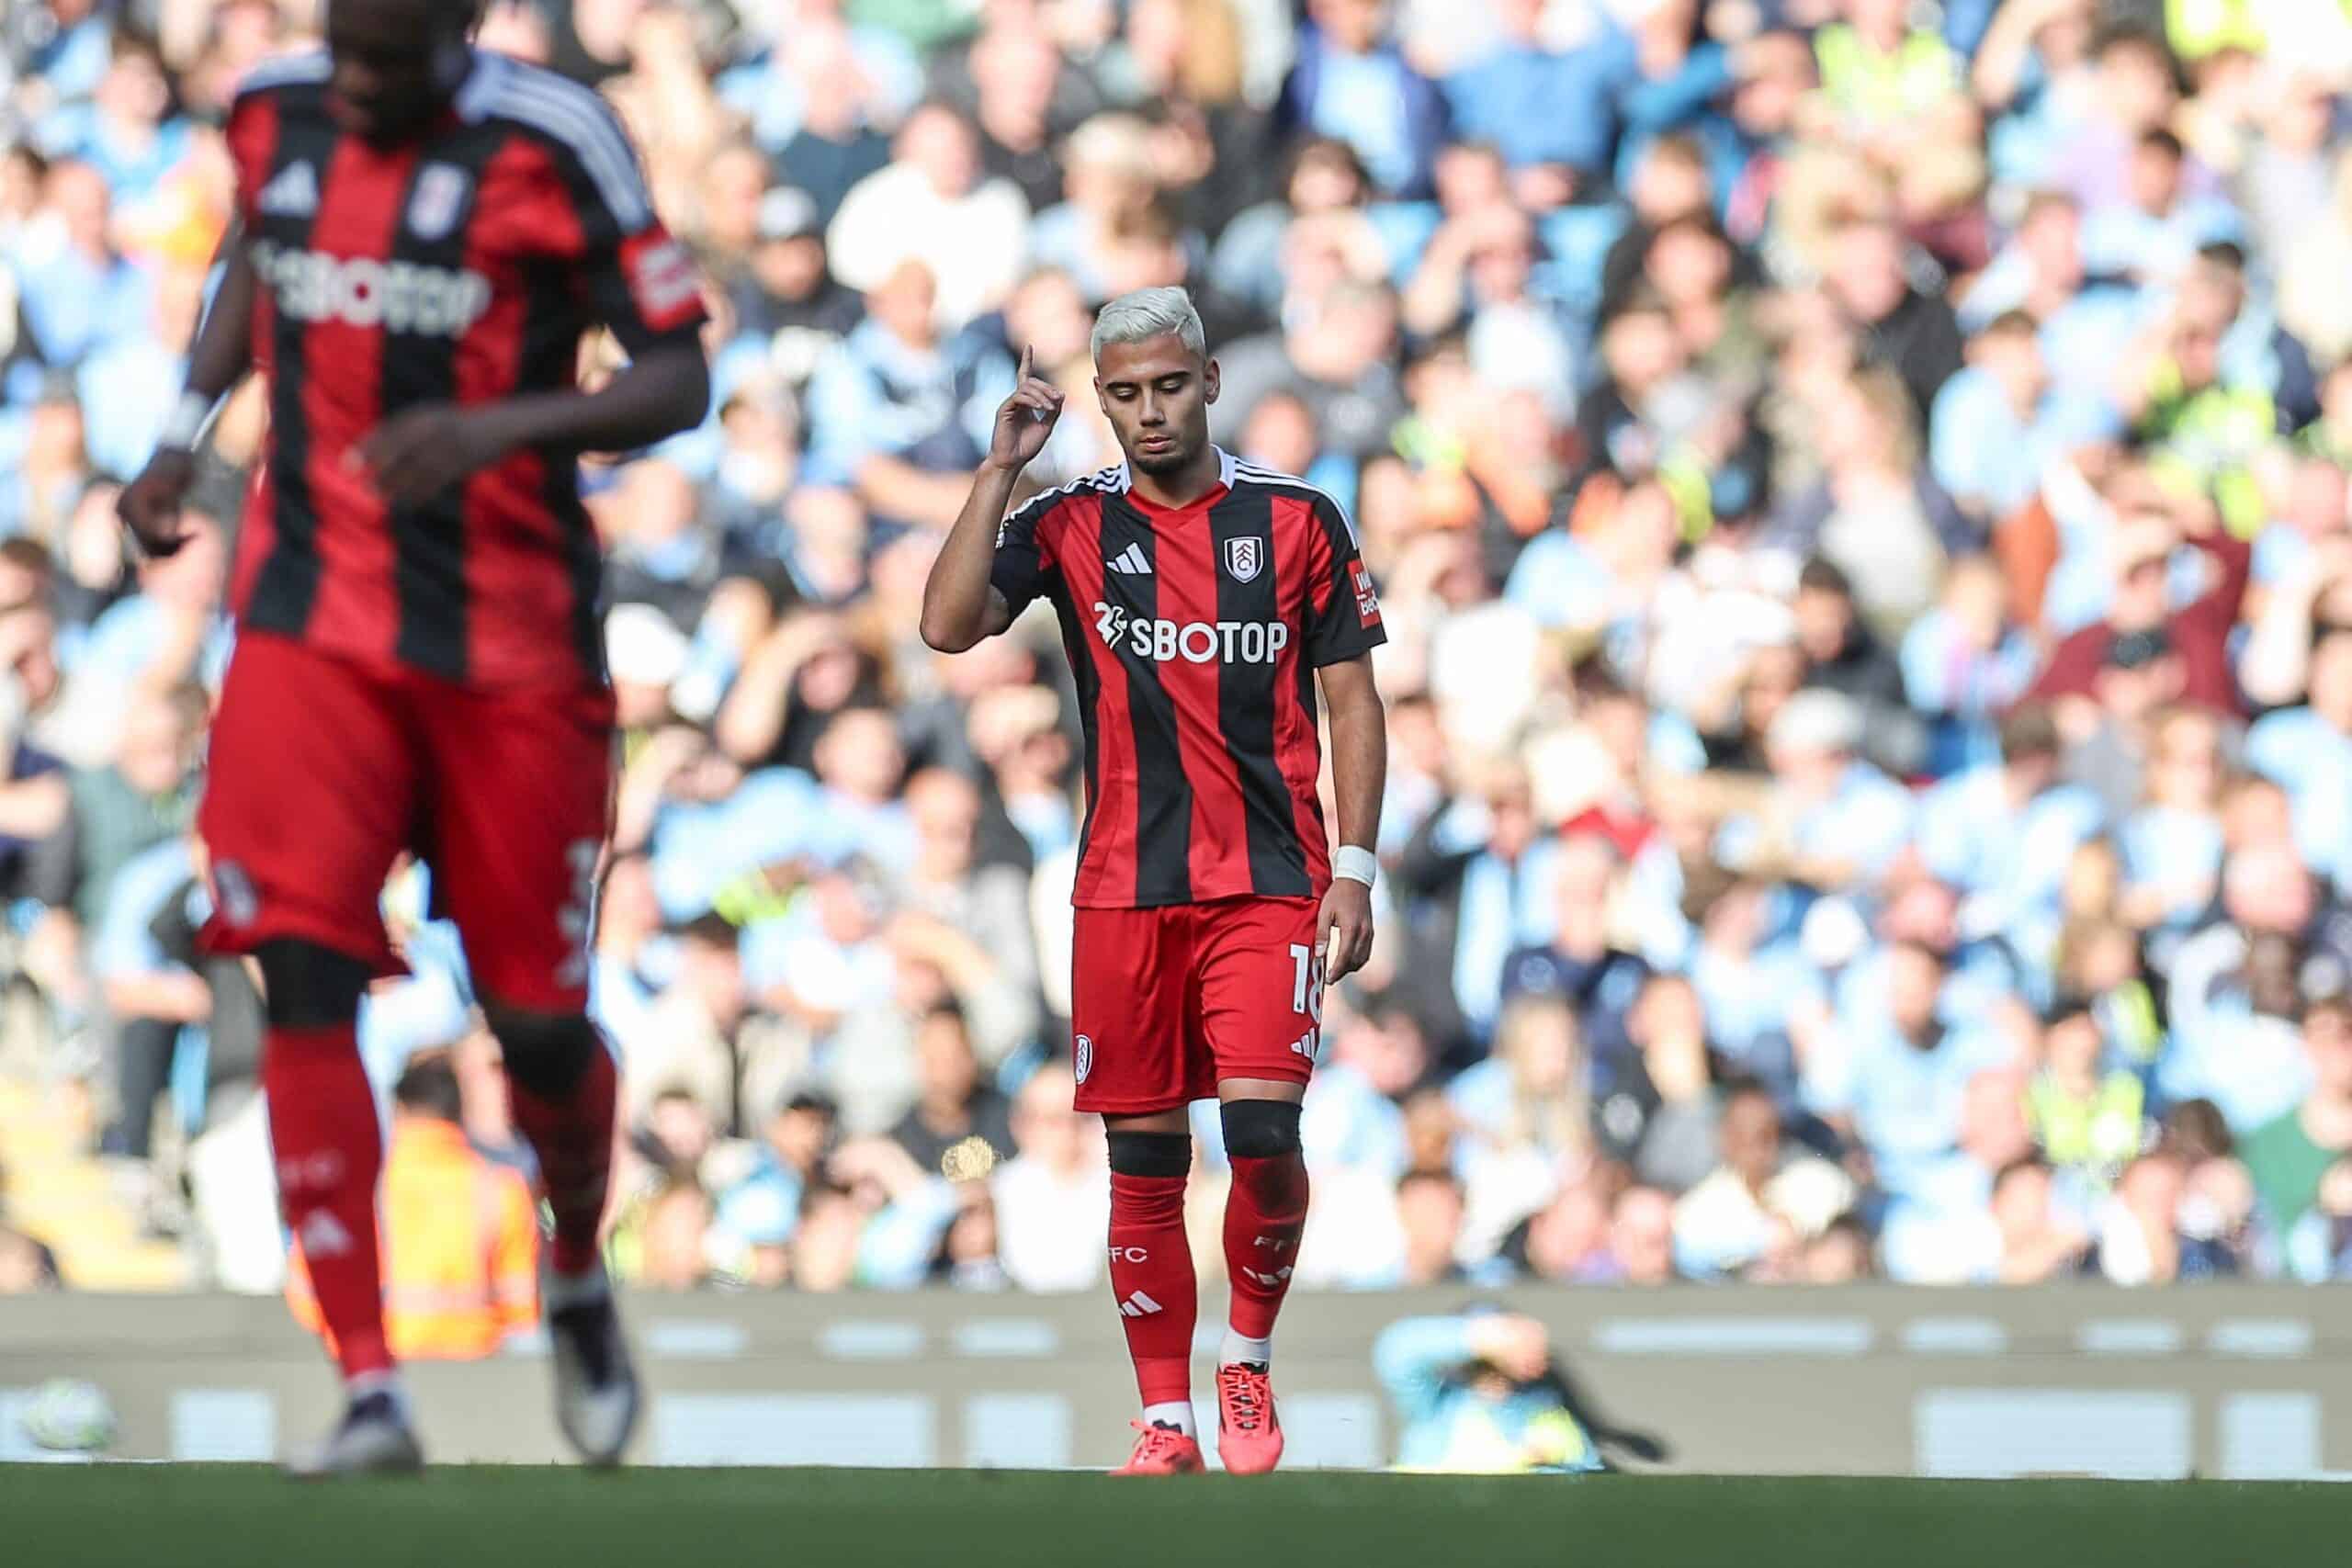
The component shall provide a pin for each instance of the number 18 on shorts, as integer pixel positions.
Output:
(1165, 1002)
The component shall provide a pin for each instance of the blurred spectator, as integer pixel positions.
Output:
(1910, 1081)
(1641, 1238)
(180, 1017)
(1052, 1199)
(2085, 1116)
(1483, 1393)
(1582, 962)
(2183, 651)
(76, 291)
(953, 1105)
(1985, 1210)
(901, 414)
(1876, 514)
(2291, 1158)
(27, 1265)
(934, 205)
(1762, 1203)
(1909, 330)
(1351, 83)
(674, 1240)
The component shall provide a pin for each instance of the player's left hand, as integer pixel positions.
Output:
(1343, 929)
(421, 451)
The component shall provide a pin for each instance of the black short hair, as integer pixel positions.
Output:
(2128, 37)
(2227, 254)
(1822, 575)
(2161, 140)
(2031, 729)
(2020, 1166)
(2065, 1008)
(27, 554)
(709, 928)
(428, 1086)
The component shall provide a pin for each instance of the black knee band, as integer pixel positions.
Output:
(1260, 1129)
(309, 987)
(1151, 1153)
(545, 1053)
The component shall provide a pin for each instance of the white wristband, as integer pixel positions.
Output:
(185, 427)
(1355, 863)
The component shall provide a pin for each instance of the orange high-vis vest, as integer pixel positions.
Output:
(460, 1238)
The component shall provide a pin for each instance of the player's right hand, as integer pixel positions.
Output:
(1026, 420)
(149, 505)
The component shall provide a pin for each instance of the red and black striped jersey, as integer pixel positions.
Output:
(1194, 636)
(463, 266)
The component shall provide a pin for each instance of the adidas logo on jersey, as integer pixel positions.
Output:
(294, 193)
(1130, 562)
(1139, 1305)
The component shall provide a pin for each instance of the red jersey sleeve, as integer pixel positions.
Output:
(640, 280)
(1023, 559)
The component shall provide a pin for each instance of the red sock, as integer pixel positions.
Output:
(330, 1150)
(1264, 1213)
(1151, 1276)
(573, 1140)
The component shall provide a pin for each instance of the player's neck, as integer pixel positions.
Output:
(1176, 490)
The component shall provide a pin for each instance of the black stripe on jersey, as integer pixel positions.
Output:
(1164, 794)
(287, 587)
(1076, 630)
(429, 538)
(1245, 700)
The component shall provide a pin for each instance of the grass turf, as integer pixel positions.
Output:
(185, 1517)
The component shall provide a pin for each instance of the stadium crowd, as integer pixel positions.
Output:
(1860, 495)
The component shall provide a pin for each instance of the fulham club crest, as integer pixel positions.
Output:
(434, 204)
(1085, 1058)
(1245, 558)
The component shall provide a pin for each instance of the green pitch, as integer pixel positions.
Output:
(160, 1517)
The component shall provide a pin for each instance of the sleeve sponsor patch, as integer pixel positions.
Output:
(1367, 601)
(662, 279)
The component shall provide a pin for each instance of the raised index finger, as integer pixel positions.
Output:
(1028, 357)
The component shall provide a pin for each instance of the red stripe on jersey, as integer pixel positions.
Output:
(1301, 550)
(359, 214)
(1185, 568)
(1111, 827)
(518, 591)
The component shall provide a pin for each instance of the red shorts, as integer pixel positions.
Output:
(323, 770)
(1167, 1002)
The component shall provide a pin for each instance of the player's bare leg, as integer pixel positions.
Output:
(562, 1078)
(1264, 1213)
(1152, 1280)
(329, 1151)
